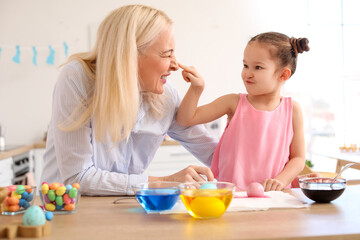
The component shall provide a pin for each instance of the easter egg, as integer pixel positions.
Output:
(207, 207)
(50, 207)
(16, 195)
(6, 202)
(14, 208)
(208, 186)
(57, 207)
(30, 197)
(69, 207)
(46, 199)
(51, 195)
(54, 185)
(25, 196)
(28, 188)
(255, 189)
(68, 187)
(22, 202)
(13, 201)
(20, 189)
(26, 204)
(34, 216)
(44, 188)
(66, 199)
(11, 188)
(76, 185)
(60, 191)
(49, 216)
(59, 200)
(73, 193)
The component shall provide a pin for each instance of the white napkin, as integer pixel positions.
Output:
(240, 202)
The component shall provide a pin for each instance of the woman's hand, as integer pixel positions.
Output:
(189, 174)
(272, 185)
(191, 75)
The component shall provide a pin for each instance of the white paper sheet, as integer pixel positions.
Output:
(276, 199)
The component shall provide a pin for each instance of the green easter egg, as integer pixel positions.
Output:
(73, 193)
(51, 195)
(34, 216)
(59, 200)
(20, 189)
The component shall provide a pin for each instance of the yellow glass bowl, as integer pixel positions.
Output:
(207, 200)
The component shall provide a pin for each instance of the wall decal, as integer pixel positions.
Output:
(50, 58)
(16, 58)
(34, 59)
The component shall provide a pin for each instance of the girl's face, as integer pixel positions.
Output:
(261, 73)
(157, 62)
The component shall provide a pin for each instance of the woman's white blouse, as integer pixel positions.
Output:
(107, 169)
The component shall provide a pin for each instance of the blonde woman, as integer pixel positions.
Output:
(112, 108)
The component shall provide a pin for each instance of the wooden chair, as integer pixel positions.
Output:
(308, 170)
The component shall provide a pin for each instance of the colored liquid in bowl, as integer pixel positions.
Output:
(206, 203)
(323, 195)
(156, 200)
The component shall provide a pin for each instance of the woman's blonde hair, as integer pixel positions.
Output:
(113, 67)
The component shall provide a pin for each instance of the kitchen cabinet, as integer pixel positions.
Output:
(6, 172)
(21, 164)
(21, 168)
(171, 159)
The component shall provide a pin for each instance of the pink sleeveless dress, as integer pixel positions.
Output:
(255, 144)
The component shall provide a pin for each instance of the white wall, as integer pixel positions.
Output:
(210, 34)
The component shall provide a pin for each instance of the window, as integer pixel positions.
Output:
(329, 90)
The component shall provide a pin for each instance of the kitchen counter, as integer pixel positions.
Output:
(26, 148)
(20, 150)
(99, 218)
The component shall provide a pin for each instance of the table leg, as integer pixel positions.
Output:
(339, 165)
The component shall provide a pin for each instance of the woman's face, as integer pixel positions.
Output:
(157, 62)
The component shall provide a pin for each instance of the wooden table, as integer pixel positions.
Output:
(99, 218)
(343, 158)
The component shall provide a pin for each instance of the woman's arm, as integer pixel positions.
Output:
(296, 162)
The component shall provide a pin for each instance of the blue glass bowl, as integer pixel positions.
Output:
(155, 197)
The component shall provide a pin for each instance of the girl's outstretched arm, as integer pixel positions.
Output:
(297, 155)
(189, 114)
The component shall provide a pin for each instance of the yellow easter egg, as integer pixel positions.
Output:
(50, 207)
(60, 191)
(14, 194)
(207, 207)
(44, 189)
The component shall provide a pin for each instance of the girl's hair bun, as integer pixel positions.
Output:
(299, 45)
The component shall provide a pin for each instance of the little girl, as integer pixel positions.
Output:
(264, 138)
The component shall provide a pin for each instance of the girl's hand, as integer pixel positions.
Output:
(272, 185)
(191, 75)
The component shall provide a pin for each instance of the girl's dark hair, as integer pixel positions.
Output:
(284, 49)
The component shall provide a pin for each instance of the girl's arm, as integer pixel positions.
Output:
(189, 114)
(297, 155)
